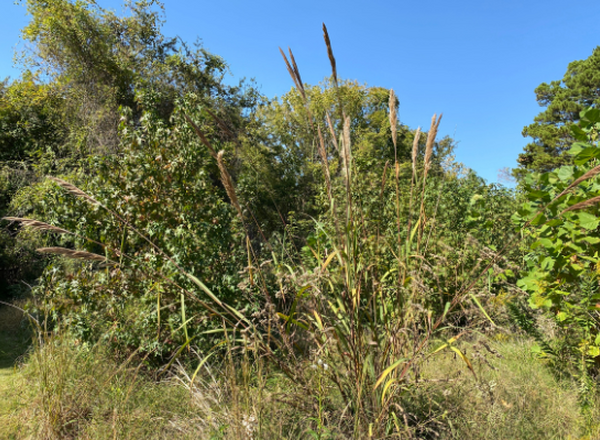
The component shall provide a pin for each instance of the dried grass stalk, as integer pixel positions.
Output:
(228, 183)
(74, 190)
(384, 178)
(330, 54)
(346, 149)
(222, 125)
(582, 205)
(323, 154)
(291, 71)
(393, 121)
(415, 150)
(429, 144)
(297, 73)
(334, 73)
(201, 136)
(332, 132)
(70, 253)
(591, 173)
(35, 224)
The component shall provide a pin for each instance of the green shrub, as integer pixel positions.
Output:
(562, 275)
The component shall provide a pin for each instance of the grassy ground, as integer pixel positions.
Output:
(66, 391)
(14, 342)
(512, 396)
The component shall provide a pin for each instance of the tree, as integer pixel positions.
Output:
(281, 168)
(100, 61)
(564, 100)
(562, 267)
(84, 64)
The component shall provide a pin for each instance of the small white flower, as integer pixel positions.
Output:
(320, 362)
(325, 367)
(313, 366)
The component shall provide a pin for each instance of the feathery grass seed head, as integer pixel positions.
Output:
(228, 183)
(72, 189)
(35, 224)
(393, 119)
(70, 253)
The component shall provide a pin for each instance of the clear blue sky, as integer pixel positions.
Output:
(478, 62)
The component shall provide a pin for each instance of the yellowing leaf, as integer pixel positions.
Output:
(329, 258)
(464, 358)
(387, 371)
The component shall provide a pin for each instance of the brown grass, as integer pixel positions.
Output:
(70, 253)
(330, 55)
(429, 144)
(228, 184)
(582, 205)
(415, 150)
(73, 189)
(591, 173)
(394, 122)
(35, 224)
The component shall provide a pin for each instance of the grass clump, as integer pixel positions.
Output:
(513, 396)
(74, 391)
(360, 329)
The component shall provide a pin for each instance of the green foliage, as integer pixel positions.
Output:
(166, 184)
(322, 230)
(562, 275)
(279, 169)
(86, 63)
(564, 100)
(31, 123)
(97, 62)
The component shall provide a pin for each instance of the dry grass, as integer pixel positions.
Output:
(582, 205)
(513, 397)
(431, 135)
(13, 344)
(228, 184)
(70, 253)
(70, 391)
(38, 225)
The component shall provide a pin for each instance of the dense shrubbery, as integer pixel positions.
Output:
(562, 267)
(312, 237)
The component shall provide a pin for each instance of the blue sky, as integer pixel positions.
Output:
(478, 62)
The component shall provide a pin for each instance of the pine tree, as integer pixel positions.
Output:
(564, 99)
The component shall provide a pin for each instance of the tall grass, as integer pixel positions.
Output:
(350, 344)
(363, 318)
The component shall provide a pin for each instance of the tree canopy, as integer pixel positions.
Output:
(564, 100)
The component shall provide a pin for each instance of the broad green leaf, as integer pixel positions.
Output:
(577, 148)
(591, 115)
(565, 173)
(586, 154)
(588, 221)
(547, 263)
(539, 219)
(555, 222)
(578, 133)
